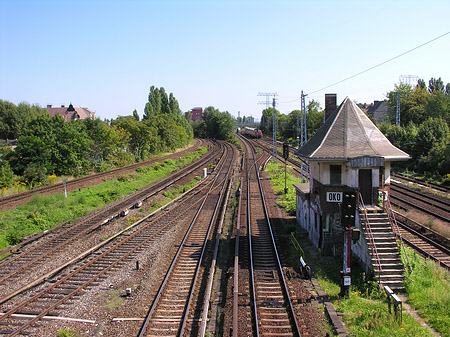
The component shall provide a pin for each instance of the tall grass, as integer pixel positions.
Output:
(44, 211)
(366, 317)
(276, 173)
(428, 288)
(365, 311)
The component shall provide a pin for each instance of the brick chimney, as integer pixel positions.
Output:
(330, 105)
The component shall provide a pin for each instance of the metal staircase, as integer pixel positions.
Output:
(383, 248)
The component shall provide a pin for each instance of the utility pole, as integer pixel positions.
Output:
(298, 134)
(274, 133)
(239, 120)
(409, 79)
(303, 136)
(397, 115)
(267, 101)
(303, 120)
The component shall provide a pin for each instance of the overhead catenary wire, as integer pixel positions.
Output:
(380, 64)
(373, 67)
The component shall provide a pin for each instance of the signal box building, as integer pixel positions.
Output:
(347, 154)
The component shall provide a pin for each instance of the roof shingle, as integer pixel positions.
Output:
(347, 134)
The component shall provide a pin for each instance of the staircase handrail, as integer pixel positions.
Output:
(393, 221)
(366, 223)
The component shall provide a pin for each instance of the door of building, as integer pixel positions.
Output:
(365, 185)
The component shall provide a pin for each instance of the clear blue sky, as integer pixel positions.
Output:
(105, 54)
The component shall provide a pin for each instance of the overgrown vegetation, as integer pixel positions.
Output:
(49, 145)
(365, 311)
(67, 333)
(428, 288)
(45, 211)
(113, 300)
(276, 174)
(215, 125)
(424, 131)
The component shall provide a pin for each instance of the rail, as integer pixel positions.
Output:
(236, 269)
(393, 221)
(249, 234)
(368, 230)
(135, 246)
(42, 250)
(175, 260)
(280, 269)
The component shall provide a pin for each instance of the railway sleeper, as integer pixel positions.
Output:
(270, 304)
(51, 296)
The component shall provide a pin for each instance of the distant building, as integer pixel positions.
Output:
(70, 113)
(196, 113)
(378, 110)
(250, 120)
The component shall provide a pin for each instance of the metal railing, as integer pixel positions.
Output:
(368, 229)
(395, 228)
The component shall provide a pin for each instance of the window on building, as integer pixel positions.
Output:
(335, 175)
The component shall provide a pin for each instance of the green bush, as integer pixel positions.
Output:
(103, 167)
(6, 175)
(36, 174)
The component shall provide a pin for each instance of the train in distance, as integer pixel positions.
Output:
(252, 132)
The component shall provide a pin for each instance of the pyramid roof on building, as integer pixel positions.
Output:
(348, 134)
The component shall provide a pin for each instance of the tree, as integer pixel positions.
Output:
(266, 124)
(6, 175)
(36, 174)
(158, 103)
(153, 106)
(135, 115)
(314, 117)
(173, 105)
(8, 120)
(437, 105)
(412, 102)
(105, 142)
(72, 151)
(215, 124)
(172, 134)
(421, 83)
(165, 109)
(14, 120)
(143, 138)
(31, 150)
(435, 85)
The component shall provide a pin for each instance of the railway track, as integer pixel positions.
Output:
(408, 198)
(168, 315)
(34, 257)
(298, 166)
(423, 183)
(271, 307)
(90, 271)
(427, 242)
(7, 201)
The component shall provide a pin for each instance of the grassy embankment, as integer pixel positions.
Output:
(365, 312)
(44, 211)
(432, 177)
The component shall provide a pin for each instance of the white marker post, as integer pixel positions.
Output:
(65, 190)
